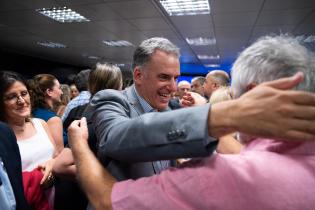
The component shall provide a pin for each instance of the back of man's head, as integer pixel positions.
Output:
(220, 76)
(271, 58)
(81, 80)
(144, 51)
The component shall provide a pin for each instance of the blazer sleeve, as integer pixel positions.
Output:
(151, 136)
(10, 154)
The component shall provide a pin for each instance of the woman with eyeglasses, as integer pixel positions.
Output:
(34, 139)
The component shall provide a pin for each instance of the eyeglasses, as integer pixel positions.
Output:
(13, 98)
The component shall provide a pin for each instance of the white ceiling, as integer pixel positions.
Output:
(234, 24)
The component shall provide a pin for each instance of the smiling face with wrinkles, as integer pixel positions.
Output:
(156, 80)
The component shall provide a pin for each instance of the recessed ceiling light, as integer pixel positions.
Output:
(209, 57)
(62, 14)
(52, 44)
(200, 41)
(120, 64)
(186, 7)
(117, 43)
(212, 65)
(93, 57)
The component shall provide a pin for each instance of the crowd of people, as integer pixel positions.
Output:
(217, 142)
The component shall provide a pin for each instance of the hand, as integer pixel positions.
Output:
(192, 99)
(268, 110)
(78, 132)
(46, 169)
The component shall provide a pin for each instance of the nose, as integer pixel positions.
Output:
(173, 85)
(20, 99)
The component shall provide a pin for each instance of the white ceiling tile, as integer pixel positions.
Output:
(235, 19)
(150, 23)
(282, 17)
(96, 12)
(192, 22)
(160, 33)
(227, 6)
(134, 9)
(288, 4)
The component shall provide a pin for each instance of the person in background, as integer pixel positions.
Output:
(59, 107)
(74, 91)
(197, 85)
(182, 88)
(84, 96)
(228, 144)
(214, 80)
(104, 76)
(45, 91)
(269, 174)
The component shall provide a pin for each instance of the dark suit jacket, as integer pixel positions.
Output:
(130, 140)
(10, 155)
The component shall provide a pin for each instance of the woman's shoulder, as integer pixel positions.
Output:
(44, 114)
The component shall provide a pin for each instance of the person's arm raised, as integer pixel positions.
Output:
(95, 180)
(268, 110)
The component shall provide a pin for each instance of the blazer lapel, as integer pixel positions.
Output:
(133, 99)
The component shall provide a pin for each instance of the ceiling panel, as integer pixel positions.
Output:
(234, 24)
(134, 9)
(288, 4)
(150, 23)
(192, 22)
(228, 6)
(283, 17)
(235, 19)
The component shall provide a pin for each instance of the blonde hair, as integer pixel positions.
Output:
(221, 94)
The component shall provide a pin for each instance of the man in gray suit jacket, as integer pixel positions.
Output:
(133, 129)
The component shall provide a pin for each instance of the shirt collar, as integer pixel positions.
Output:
(144, 104)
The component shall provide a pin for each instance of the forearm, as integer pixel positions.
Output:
(94, 179)
(221, 118)
(64, 165)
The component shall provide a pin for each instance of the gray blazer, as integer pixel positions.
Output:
(129, 139)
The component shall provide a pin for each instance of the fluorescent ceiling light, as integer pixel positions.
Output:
(51, 44)
(93, 57)
(117, 43)
(208, 57)
(200, 41)
(62, 14)
(186, 7)
(212, 65)
(120, 64)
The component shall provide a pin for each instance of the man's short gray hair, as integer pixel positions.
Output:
(220, 77)
(200, 79)
(144, 51)
(272, 58)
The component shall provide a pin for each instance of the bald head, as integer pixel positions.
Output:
(214, 80)
(183, 87)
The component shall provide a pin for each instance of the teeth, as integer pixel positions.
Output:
(164, 95)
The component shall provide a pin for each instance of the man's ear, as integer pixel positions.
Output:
(251, 86)
(137, 75)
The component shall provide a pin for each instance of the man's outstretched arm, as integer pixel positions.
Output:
(95, 180)
(269, 110)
